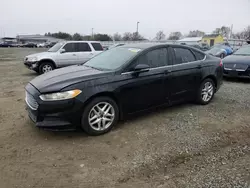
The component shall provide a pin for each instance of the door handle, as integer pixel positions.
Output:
(167, 71)
(199, 66)
(74, 54)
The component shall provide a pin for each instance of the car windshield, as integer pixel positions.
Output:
(243, 51)
(56, 47)
(113, 58)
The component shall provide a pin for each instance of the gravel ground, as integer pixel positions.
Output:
(183, 146)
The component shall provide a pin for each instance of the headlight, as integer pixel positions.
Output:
(32, 59)
(60, 95)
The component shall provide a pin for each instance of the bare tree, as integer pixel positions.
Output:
(196, 33)
(224, 31)
(175, 35)
(127, 36)
(132, 36)
(245, 34)
(160, 35)
(117, 37)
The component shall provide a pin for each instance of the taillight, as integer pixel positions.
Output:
(221, 63)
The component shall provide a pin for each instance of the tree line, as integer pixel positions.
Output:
(224, 31)
(128, 36)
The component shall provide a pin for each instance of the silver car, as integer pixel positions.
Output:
(63, 54)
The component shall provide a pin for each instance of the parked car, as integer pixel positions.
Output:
(41, 45)
(204, 46)
(63, 54)
(217, 51)
(227, 47)
(121, 81)
(30, 45)
(238, 64)
(105, 47)
(49, 44)
(115, 45)
(6, 44)
(199, 47)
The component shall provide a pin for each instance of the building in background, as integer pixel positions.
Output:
(36, 39)
(190, 40)
(212, 39)
(8, 40)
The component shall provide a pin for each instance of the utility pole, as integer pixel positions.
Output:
(92, 33)
(231, 31)
(137, 27)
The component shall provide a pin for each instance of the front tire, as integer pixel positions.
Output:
(100, 116)
(206, 91)
(45, 67)
(222, 55)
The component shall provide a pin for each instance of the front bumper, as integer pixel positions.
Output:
(236, 74)
(56, 115)
(31, 65)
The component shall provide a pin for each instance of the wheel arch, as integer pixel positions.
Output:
(110, 95)
(212, 77)
(47, 60)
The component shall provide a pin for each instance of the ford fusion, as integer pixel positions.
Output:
(119, 82)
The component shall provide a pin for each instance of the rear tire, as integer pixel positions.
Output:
(100, 116)
(46, 67)
(206, 91)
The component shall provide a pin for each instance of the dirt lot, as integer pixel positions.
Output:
(183, 146)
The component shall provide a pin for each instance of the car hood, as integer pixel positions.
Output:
(58, 79)
(237, 59)
(215, 52)
(39, 54)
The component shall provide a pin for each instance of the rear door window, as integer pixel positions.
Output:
(70, 47)
(83, 47)
(199, 55)
(97, 46)
(183, 55)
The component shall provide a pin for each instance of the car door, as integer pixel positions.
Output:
(146, 89)
(84, 52)
(186, 74)
(68, 56)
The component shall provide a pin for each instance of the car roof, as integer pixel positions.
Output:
(80, 41)
(149, 45)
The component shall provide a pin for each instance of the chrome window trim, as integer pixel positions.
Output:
(240, 70)
(125, 73)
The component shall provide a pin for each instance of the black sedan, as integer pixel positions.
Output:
(30, 45)
(119, 82)
(238, 64)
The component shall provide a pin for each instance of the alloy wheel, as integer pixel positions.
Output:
(47, 68)
(101, 116)
(207, 92)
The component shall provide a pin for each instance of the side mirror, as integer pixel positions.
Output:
(62, 51)
(141, 68)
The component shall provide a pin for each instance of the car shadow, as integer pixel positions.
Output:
(151, 113)
(237, 80)
(78, 133)
(30, 74)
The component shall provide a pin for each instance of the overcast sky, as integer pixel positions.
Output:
(110, 16)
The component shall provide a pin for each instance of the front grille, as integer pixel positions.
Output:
(31, 101)
(235, 66)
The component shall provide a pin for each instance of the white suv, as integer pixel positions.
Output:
(63, 54)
